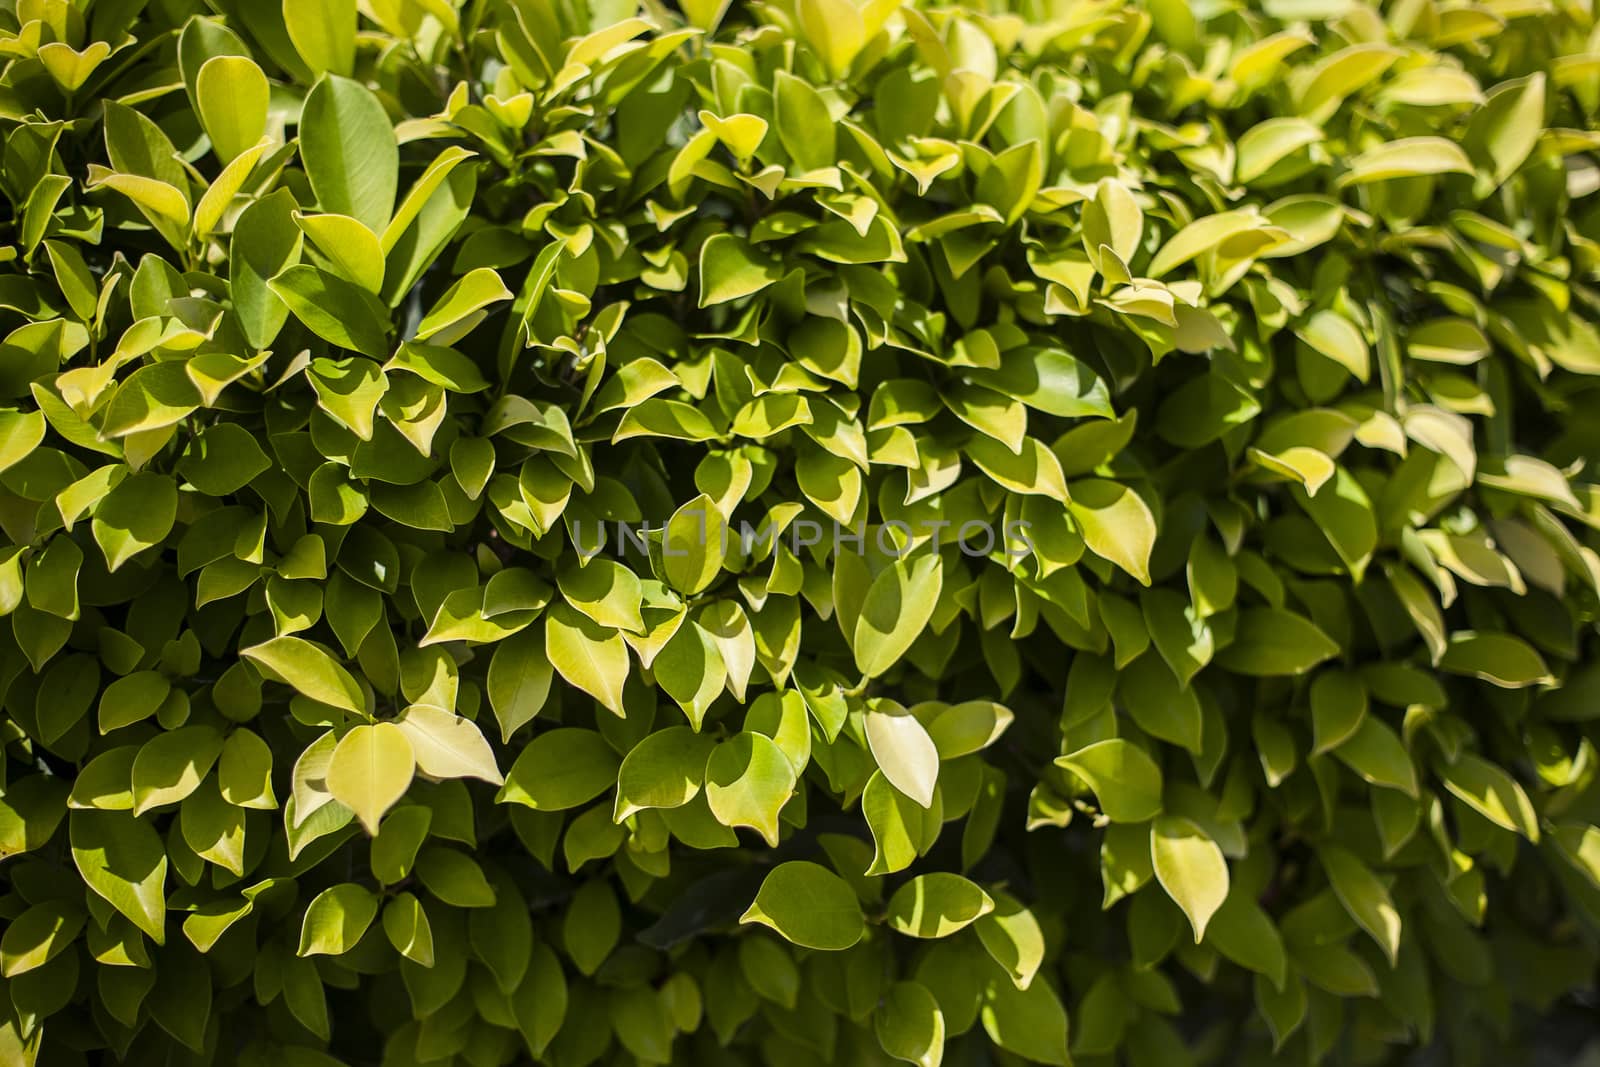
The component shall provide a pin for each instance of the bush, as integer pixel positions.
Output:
(797, 534)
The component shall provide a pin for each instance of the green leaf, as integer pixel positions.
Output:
(1407, 157)
(1160, 704)
(131, 699)
(350, 248)
(936, 905)
(432, 200)
(339, 312)
(1270, 642)
(394, 850)
(539, 1004)
(231, 96)
(692, 546)
(406, 926)
(894, 612)
(38, 935)
(1243, 932)
(519, 680)
(137, 515)
(454, 878)
(20, 434)
(1013, 938)
(449, 369)
(998, 417)
(469, 295)
(1447, 340)
(448, 746)
(1116, 524)
(414, 244)
(593, 924)
(265, 241)
(219, 196)
(588, 655)
(803, 123)
(1030, 468)
(336, 919)
(808, 905)
(1346, 517)
(72, 275)
(324, 33)
(71, 68)
(1190, 867)
(1049, 380)
(731, 269)
(748, 779)
(122, 861)
(909, 1025)
(52, 582)
(1200, 236)
(1338, 706)
(1374, 751)
(605, 591)
(223, 459)
(901, 828)
(1269, 142)
(561, 769)
(1028, 1022)
(903, 750)
(1335, 77)
(1284, 1010)
(1507, 127)
(146, 170)
(309, 670)
(171, 765)
(1364, 897)
(213, 828)
(1503, 659)
(1397, 817)
(1332, 335)
(502, 937)
(1126, 780)
(659, 417)
(244, 771)
(151, 398)
(664, 770)
(1492, 793)
(371, 769)
(348, 146)
(1112, 219)
(106, 782)
(136, 145)
(968, 727)
(1579, 845)
(705, 14)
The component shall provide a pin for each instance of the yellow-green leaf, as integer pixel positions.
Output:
(371, 769)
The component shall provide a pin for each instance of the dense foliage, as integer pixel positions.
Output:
(797, 533)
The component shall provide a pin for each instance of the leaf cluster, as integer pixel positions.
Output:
(585, 532)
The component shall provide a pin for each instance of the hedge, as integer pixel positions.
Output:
(795, 532)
